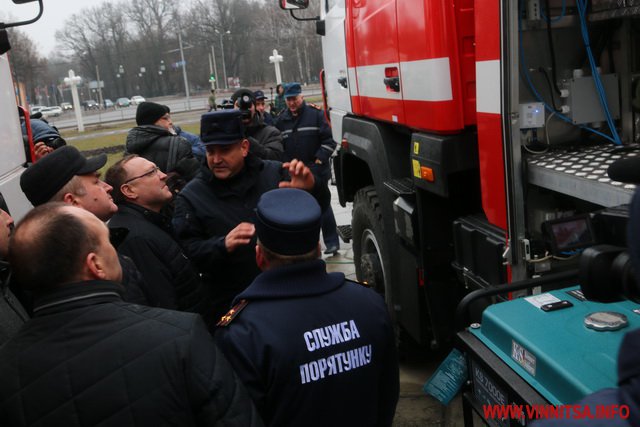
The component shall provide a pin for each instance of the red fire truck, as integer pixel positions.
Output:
(475, 137)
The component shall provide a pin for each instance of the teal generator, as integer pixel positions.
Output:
(552, 348)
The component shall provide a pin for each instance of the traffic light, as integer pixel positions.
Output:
(212, 78)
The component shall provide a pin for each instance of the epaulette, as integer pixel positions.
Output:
(312, 105)
(365, 284)
(231, 314)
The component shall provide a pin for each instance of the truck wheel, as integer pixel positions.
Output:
(368, 235)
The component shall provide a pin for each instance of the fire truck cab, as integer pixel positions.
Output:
(475, 138)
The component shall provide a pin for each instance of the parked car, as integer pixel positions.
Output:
(53, 111)
(36, 108)
(66, 106)
(137, 99)
(122, 102)
(108, 104)
(90, 104)
(226, 104)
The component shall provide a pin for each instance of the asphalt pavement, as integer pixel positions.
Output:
(177, 104)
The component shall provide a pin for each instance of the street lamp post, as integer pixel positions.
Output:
(100, 98)
(224, 67)
(184, 69)
(160, 72)
(120, 74)
(74, 81)
(141, 75)
(215, 67)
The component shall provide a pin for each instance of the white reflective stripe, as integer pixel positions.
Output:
(327, 147)
(426, 80)
(423, 80)
(488, 86)
(371, 82)
(304, 129)
(353, 87)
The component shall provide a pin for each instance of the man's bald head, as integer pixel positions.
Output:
(52, 244)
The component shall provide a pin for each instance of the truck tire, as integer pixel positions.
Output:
(369, 255)
(368, 241)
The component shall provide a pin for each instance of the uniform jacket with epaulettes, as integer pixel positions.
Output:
(264, 339)
(307, 136)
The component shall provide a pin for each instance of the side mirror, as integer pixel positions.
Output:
(292, 4)
(30, 21)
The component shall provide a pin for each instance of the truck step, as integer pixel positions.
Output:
(401, 186)
(344, 231)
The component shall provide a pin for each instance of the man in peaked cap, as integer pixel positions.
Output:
(307, 136)
(261, 105)
(275, 334)
(214, 213)
(65, 175)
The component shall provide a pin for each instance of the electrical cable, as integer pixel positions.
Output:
(553, 98)
(546, 129)
(552, 52)
(582, 11)
(525, 73)
(547, 257)
(557, 18)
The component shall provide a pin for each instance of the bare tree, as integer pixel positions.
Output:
(26, 64)
(144, 34)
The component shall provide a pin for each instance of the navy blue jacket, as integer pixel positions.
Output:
(88, 359)
(314, 349)
(208, 208)
(307, 136)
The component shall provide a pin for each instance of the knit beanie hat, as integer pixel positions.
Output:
(149, 112)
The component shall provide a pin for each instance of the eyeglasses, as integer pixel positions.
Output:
(150, 173)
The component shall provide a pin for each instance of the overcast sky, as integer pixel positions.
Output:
(55, 13)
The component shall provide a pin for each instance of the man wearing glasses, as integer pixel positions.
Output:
(140, 191)
(156, 140)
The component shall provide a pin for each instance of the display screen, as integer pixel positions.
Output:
(570, 233)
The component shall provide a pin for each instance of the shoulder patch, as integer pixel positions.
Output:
(231, 314)
(365, 284)
(312, 105)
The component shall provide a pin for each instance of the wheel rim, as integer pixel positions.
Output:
(371, 261)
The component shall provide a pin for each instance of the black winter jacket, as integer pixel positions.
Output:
(208, 208)
(265, 140)
(314, 349)
(87, 359)
(12, 314)
(153, 143)
(173, 282)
